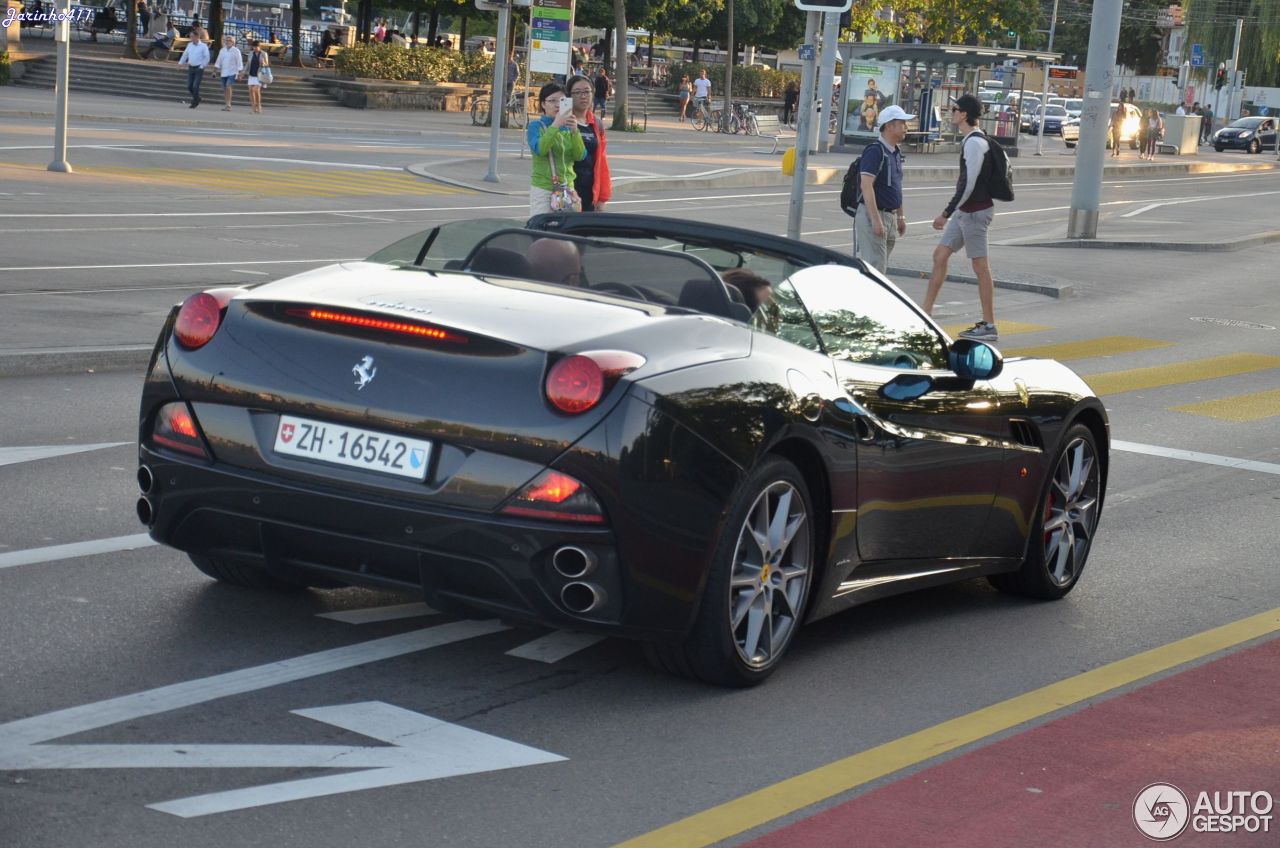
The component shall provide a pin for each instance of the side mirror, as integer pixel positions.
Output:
(907, 387)
(974, 360)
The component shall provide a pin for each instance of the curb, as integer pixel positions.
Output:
(1183, 247)
(74, 360)
(1044, 285)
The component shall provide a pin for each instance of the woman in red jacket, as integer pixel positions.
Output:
(592, 181)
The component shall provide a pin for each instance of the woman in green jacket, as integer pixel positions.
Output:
(556, 145)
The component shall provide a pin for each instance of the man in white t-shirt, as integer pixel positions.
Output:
(702, 91)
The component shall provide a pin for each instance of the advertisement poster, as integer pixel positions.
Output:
(872, 88)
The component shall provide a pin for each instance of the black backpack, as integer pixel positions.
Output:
(1000, 182)
(851, 191)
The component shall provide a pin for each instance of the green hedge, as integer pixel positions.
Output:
(747, 82)
(4, 68)
(424, 64)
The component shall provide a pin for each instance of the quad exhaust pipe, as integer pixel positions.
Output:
(581, 598)
(146, 512)
(146, 480)
(573, 562)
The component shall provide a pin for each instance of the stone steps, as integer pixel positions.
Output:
(163, 80)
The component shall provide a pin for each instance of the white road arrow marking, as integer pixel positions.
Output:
(371, 615)
(422, 748)
(10, 456)
(555, 646)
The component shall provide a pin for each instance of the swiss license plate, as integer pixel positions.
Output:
(353, 447)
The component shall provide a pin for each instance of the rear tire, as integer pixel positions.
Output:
(480, 112)
(699, 120)
(1067, 520)
(519, 113)
(1255, 146)
(761, 573)
(248, 576)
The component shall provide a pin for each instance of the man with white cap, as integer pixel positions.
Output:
(880, 218)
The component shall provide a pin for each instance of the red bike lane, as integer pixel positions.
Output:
(1213, 728)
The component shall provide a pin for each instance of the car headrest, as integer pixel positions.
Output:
(501, 262)
(705, 295)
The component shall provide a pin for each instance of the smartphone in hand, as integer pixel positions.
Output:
(566, 106)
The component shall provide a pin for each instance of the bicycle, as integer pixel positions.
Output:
(746, 118)
(701, 117)
(517, 111)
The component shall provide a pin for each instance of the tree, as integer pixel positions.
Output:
(296, 12)
(1211, 23)
(131, 33)
(215, 25)
(621, 120)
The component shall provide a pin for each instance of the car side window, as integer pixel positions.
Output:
(861, 320)
(784, 316)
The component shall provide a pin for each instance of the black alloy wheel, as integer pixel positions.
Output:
(1066, 521)
(1255, 146)
(761, 575)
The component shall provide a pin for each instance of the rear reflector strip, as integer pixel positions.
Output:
(385, 325)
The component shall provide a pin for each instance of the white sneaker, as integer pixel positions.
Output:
(981, 332)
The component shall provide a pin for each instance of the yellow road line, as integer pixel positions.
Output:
(796, 793)
(1103, 346)
(1239, 408)
(1006, 328)
(1176, 373)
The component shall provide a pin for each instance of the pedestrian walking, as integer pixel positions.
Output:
(591, 174)
(258, 63)
(144, 17)
(1117, 129)
(1154, 132)
(967, 218)
(603, 87)
(556, 145)
(229, 64)
(702, 92)
(880, 218)
(685, 93)
(195, 57)
(790, 96)
(1206, 125)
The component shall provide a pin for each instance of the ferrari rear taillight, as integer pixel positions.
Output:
(576, 383)
(175, 428)
(555, 496)
(200, 316)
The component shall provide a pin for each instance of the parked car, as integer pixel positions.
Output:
(1027, 107)
(1128, 132)
(1053, 117)
(573, 421)
(1070, 131)
(1253, 134)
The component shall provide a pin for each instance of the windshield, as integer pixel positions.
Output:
(436, 248)
(1055, 111)
(1247, 123)
(1074, 105)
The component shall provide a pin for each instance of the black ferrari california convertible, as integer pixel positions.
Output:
(583, 421)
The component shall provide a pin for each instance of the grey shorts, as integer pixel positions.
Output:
(968, 229)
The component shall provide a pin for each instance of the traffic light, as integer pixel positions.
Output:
(846, 19)
(1222, 78)
(1013, 34)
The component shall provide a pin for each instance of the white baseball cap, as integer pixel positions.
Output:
(893, 113)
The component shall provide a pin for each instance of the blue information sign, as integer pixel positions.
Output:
(807, 52)
(1197, 56)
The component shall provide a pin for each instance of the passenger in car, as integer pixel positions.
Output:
(755, 289)
(554, 260)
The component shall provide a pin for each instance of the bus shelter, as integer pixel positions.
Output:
(923, 79)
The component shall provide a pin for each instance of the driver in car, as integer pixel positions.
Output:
(554, 260)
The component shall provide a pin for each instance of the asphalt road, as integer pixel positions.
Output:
(614, 750)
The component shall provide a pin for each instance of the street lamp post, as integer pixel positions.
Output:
(62, 34)
(1044, 99)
